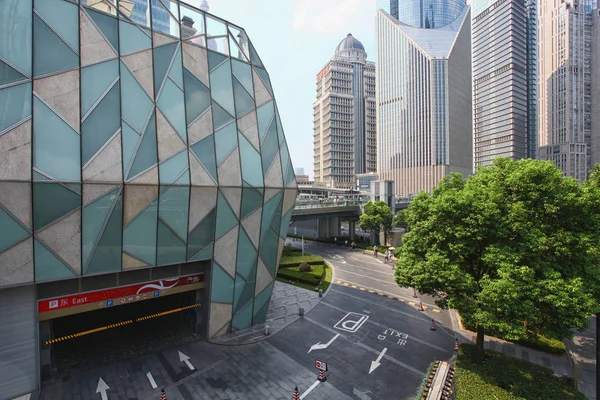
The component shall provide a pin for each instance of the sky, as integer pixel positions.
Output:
(295, 39)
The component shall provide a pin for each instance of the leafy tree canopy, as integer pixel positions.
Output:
(514, 247)
(400, 220)
(376, 217)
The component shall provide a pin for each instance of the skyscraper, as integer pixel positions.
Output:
(504, 79)
(565, 86)
(344, 117)
(424, 97)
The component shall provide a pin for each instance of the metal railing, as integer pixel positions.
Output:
(326, 204)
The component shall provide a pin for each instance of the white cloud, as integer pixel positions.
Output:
(332, 17)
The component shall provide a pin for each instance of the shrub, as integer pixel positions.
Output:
(304, 267)
(294, 261)
(312, 277)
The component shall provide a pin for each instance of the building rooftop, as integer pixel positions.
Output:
(349, 43)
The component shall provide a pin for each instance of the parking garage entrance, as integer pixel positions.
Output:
(95, 328)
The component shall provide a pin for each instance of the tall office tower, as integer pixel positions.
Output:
(344, 117)
(565, 85)
(424, 97)
(504, 79)
(595, 40)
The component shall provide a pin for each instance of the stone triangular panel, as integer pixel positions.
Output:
(150, 177)
(252, 226)
(248, 126)
(199, 175)
(48, 266)
(15, 197)
(263, 277)
(273, 177)
(270, 193)
(225, 250)
(195, 60)
(16, 264)
(169, 141)
(289, 198)
(61, 93)
(15, 153)
(94, 48)
(234, 198)
(106, 165)
(219, 320)
(261, 94)
(200, 128)
(158, 39)
(94, 191)
(202, 201)
(140, 64)
(64, 239)
(136, 199)
(229, 171)
(130, 262)
(292, 184)
(279, 251)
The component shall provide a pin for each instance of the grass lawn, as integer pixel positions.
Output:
(320, 276)
(502, 377)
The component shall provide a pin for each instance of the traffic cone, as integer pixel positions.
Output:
(415, 293)
(296, 395)
(432, 327)
(456, 345)
(163, 394)
(421, 306)
(322, 376)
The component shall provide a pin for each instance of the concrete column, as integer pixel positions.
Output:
(351, 229)
(46, 369)
(323, 228)
(335, 226)
(198, 320)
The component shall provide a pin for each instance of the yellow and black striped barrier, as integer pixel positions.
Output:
(118, 324)
(412, 303)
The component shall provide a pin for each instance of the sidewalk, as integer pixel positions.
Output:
(583, 352)
(283, 310)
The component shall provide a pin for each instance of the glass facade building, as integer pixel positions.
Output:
(504, 80)
(131, 154)
(424, 101)
(429, 14)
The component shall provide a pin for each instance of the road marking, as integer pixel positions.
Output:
(351, 325)
(376, 363)
(412, 303)
(338, 281)
(320, 346)
(314, 385)
(390, 297)
(102, 388)
(370, 349)
(346, 284)
(362, 288)
(186, 360)
(436, 310)
(402, 300)
(354, 286)
(24, 397)
(151, 379)
(371, 291)
(381, 294)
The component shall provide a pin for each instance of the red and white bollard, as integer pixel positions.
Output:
(322, 376)
(421, 306)
(296, 395)
(163, 394)
(415, 293)
(456, 345)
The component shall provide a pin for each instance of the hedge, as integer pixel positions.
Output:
(311, 277)
(294, 261)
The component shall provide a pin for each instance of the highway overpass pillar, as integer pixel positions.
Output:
(335, 227)
(351, 229)
(322, 228)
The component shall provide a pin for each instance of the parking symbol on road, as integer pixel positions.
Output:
(351, 322)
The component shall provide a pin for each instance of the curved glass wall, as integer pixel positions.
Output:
(429, 14)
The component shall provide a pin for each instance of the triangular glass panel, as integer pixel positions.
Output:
(93, 217)
(173, 209)
(268, 211)
(172, 168)
(108, 26)
(221, 285)
(12, 231)
(222, 88)
(260, 315)
(262, 299)
(15, 103)
(139, 237)
(285, 158)
(276, 221)
(268, 250)
(285, 223)
(170, 248)
(51, 201)
(243, 101)
(243, 302)
(202, 235)
(136, 103)
(215, 59)
(226, 218)
(250, 161)
(172, 103)
(197, 96)
(130, 140)
(184, 179)
(107, 257)
(289, 176)
(264, 115)
(235, 50)
(239, 285)
(95, 79)
(162, 60)
(279, 126)
(147, 154)
(57, 145)
(205, 254)
(243, 72)
(246, 255)
(9, 74)
(265, 78)
(133, 38)
(269, 148)
(177, 68)
(50, 53)
(39, 177)
(205, 151)
(101, 124)
(254, 56)
(220, 116)
(47, 264)
(215, 27)
(226, 141)
(251, 200)
(161, 19)
(63, 17)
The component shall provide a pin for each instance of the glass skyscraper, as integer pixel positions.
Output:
(424, 98)
(504, 79)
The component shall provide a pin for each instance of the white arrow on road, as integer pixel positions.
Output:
(376, 363)
(102, 388)
(151, 380)
(186, 360)
(320, 346)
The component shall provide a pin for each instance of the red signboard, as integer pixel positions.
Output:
(140, 291)
(321, 365)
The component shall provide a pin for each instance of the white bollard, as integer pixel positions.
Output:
(267, 330)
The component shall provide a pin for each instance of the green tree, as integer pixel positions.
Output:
(376, 217)
(400, 220)
(513, 248)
